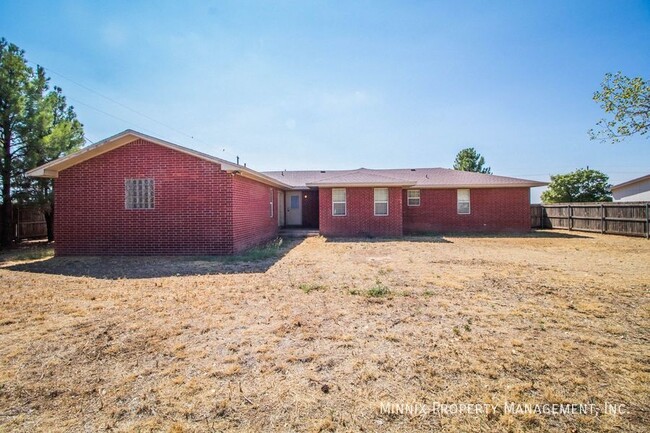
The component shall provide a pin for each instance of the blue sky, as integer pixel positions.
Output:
(310, 84)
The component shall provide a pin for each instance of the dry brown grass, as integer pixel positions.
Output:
(305, 342)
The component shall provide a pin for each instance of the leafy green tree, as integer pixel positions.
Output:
(582, 185)
(628, 99)
(53, 132)
(36, 126)
(470, 160)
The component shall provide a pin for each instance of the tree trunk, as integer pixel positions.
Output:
(6, 233)
(49, 222)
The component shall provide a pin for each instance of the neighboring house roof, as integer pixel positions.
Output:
(51, 169)
(631, 182)
(410, 177)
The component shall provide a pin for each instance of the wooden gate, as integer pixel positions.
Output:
(29, 223)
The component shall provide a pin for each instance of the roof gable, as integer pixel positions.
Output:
(52, 169)
(632, 182)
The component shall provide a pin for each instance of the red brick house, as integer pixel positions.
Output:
(136, 194)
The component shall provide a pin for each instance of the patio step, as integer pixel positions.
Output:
(298, 233)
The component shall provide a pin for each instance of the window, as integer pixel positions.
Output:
(413, 197)
(294, 202)
(463, 201)
(339, 207)
(381, 201)
(139, 194)
(271, 202)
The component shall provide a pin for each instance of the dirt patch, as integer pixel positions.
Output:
(317, 337)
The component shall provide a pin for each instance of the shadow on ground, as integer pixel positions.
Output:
(447, 237)
(256, 260)
(535, 234)
(428, 239)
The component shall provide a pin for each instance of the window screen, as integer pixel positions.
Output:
(381, 201)
(413, 197)
(339, 207)
(463, 201)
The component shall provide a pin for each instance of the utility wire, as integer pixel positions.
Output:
(108, 98)
(178, 131)
(76, 101)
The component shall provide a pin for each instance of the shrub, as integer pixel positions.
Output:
(378, 290)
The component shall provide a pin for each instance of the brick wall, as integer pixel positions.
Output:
(192, 214)
(360, 219)
(492, 210)
(200, 209)
(252, 220)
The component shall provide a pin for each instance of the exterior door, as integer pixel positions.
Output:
(294, 208)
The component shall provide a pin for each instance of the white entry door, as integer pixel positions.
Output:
(294, 208)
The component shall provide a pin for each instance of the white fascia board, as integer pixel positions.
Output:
(51, 169)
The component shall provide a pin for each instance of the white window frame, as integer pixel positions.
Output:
(408, 198)
(376, 202)
(344, 202)
(461, 200)
(144, 191)
(271, 200)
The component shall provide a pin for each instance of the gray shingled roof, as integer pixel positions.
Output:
(411, 177)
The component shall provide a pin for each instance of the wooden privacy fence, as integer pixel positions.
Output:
(630, 219)
(29, 222)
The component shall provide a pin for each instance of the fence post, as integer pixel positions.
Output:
(647, 221)
(570, 215)
(602, 218)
